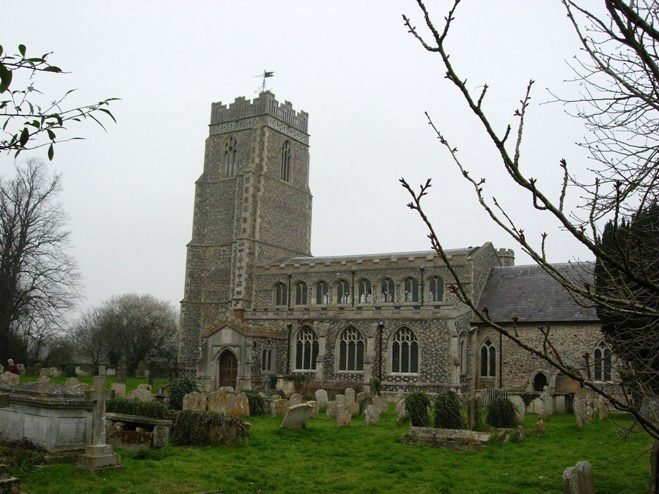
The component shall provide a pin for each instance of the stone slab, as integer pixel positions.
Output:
(296, 417)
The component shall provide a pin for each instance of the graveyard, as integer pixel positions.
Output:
(358, 457)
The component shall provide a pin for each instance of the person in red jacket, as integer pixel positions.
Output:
(13, 368)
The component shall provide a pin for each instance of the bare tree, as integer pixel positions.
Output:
(88, 338)
(38, 277)
(616, 103)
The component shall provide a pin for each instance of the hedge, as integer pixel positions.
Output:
(126, 406)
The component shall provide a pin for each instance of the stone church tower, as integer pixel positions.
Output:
(252, 205)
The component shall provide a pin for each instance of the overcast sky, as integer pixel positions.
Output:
(365, 83)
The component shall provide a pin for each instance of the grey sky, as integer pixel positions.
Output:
(351, 65)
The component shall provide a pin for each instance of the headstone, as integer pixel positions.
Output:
(547, 408)
(371, 415)
(119, 389)
(401, 411)
(539, 428)
(227, 389)
(71, 382)
(288, 387)
(236, 405)
(9, 379)
(321, 396)
(363, 404)
(145, 386)
(380, 403)
(343, 415)
(366, 389)
(560, 405)
(142, 394)
(521, 433)
(296, 417)
(8, 485)
(54, 372)
(340, 399)
(350, 396)
(579, 479)
(520, 407)
(362, 395)
(98, 454)
(295, 399)
(121, 373)
(80, 372)
(44, 371)
(141, 367)
(316, 407)
(194, 401)
(331, 410)
(582, 412)
(603, 407)
(279, 407)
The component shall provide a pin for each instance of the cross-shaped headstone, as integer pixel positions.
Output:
(98, 395)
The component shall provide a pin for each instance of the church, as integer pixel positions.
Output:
(258, 304)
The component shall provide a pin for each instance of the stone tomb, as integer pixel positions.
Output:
(136, 432)
(296, 417)
(236, 405)
(459, 439)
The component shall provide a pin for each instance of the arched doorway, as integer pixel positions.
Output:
(539, 382)
(228, 369)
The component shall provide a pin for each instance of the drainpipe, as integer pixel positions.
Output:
(380, 329)
(500, 361)
(289, 326)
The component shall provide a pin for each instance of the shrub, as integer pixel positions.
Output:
(501, 413)
(153, 410)
(447, 411)
(179, 389)
(417, 405)
(194, 427)
(256, 404)
(376, 385)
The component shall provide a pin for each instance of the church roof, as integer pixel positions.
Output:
(532, 295)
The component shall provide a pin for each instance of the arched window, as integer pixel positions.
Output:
(436, 286)
(602, 362)
(229, 169)
(300, 293)
(306, 349)
(411, 290)
(285, 172)
(266, 359)
(488, 359)
(321, 293)
(281, 294)
(463, 353)
(342, 292)
(404, 352)
(364, 291)
(351, 350)
(387, 292)
(539, 382)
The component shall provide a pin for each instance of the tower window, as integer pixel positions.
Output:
(306, 349)
(602, 362)
(301, 293)
(364, 291)
(229, 169)
(266, 359)
(436, 289)
(281, 294)
(404, 352)
(342, 292)
(411, 290)
(351, 350)
(387, 293)
(285, 172)
(321, 293)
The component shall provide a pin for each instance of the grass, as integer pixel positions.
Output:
(358, 459)
(131, 382)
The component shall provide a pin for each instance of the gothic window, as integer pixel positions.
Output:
(266, 359)
(404, 352)
(351, 350)
(436, 285)
(411, 290)
(301, 293)
(539, 382)
(229, 158)
(321, 293)
(285, 172)
(281, 294)
(387, 293)
(602, 362)
(342, 292)
(463, 354)
(306, 349)
(488, 359)
(364, 291)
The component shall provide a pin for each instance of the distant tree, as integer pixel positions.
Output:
(129, 328)
(38, 277)
(27, 120)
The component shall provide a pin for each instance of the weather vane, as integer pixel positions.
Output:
(264, 76)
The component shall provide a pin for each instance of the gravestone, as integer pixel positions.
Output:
(340, 399)
(8, 485)
(401, 411)
(194, 401)
(295, 399)
(343, 415)
(520, 407)
(350, 396)
(142, 393)
(54, 372)
(380, 403)
(361, 396)
(9, 379)
(119, 389)
(44, 371)
(316, 407)
(331, 410)
(141, 367)
(321, 397)
(371, 415)
(603, 407)
(547, 407)
(71, 382)
(539, 428)
(98, 454)
(583, 413)
(363, 404)
(579, 479)
(121, 373)
(296, 417)
(235, 405)
(227, 389)
(279, 408)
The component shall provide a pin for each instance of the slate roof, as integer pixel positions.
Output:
(532, 295)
